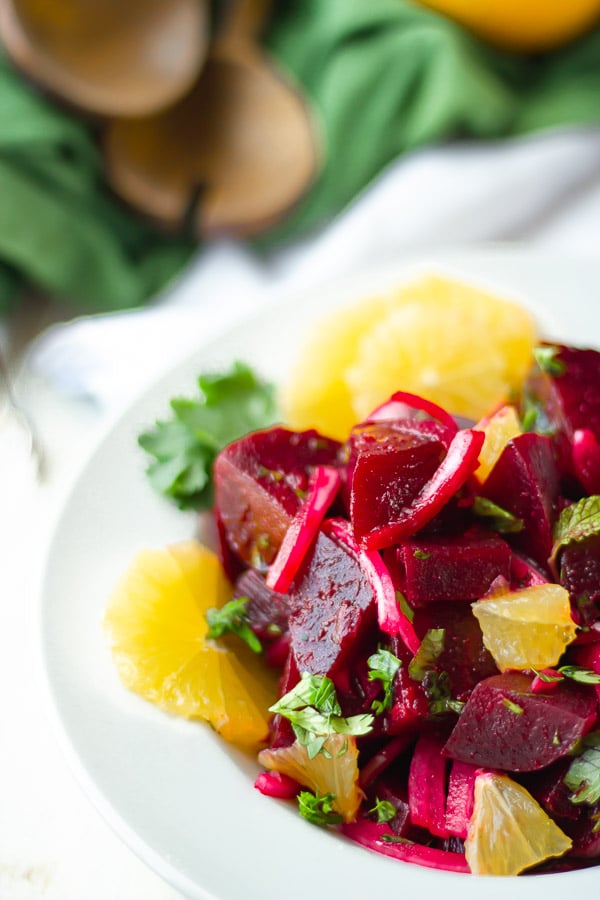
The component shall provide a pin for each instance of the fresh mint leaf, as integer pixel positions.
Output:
(383, 666)
(583, 775)
(183, 448)
(232, 618)
(318, 808)
(498, 518)
(383, 810)
(314, 712)
(576, 522)
(426, 656)
(546, 356)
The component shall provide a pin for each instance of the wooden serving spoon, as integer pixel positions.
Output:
(112, 57)
(231, 157)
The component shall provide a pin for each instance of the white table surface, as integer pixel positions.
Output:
(54, 845)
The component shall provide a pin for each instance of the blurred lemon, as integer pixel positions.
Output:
(528, 26)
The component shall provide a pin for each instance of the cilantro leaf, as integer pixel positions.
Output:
(314, 712)
(318, 808)
(546, 357)
(426, 656)
(498, 518)
(576, 523)
(437, 688)
(583, 775)
(383, 810)
(383, 667)
(232, 618)
(183, 448)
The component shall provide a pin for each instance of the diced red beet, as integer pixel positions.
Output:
(323, 486)
(260, 481)
(390, 617)
(427, 785)
(458, 568)
(586, 839)
(464, 659)
(525, 482)
(506, 726)
(459, 803)
(267, 610)
(276, 784)
(546, 680)
(392, 787)
(580, 575)
(389, 463)
(524, 573)
(383, 758)
(456, 468)
(281, 733)
(372, 836)
(570, 396)
(333, 608)
(403, 405)
(410, 706)
(550, 791)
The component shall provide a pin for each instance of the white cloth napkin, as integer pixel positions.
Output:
(542, 190)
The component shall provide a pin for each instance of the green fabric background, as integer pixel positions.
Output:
(383, 76)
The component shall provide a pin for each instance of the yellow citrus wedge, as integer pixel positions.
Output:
(509, 831)
(316, 394)
(526, 629)
(333, 772)
(438, 338)
(155, 621)
(522, 25)
(498, 429)
(449, 342)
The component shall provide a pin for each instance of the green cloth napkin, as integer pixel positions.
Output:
(383, 76)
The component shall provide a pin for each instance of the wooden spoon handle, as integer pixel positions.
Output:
(243, 21)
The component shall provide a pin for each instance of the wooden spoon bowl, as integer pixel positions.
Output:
(232, 157)
(109, 57)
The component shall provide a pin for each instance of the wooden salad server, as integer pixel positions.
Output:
(234, 155)
(109, 57)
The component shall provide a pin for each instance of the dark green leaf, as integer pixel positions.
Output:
(578, 673)
(499, 519)
(576, 523)
(184, 447)
(583, 775)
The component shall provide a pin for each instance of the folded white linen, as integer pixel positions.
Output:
(542, 191)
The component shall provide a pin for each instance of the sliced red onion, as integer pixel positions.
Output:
(459, 463)
(323, 486)
(372, 836)
(459, 804)
(427, 786)
(402, 405)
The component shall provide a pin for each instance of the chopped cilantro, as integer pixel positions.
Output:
(232, 618)
(184, 447)
(383, 810)
(404, 606)
(499, 519)
(431, 647)
(437, 688)
(512, 706)
(314, 712)
(318, 809)
(421, 554)
(547, 359)
(383, 667)
(395, 839)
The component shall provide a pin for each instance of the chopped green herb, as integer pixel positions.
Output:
(534, 417)
(232, 618)
(578, 673)
(499, 519)
(512, 706)
(549, 678)
(314, 712)
(184, 447)
(383, 667)
(556, 739)
(437, 688)
(576, 523)
(395, 839)
(547, 359)
(383, 810)
(583, 775)
(402, 602)
(431, 647)
(318, 809)
(421, 554)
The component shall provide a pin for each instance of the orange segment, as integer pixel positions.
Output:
(526, 629)
(333, 772)
(155, 620)
(449, 342)
(509, 831)
(498, 429)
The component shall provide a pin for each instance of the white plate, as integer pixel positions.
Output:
(182, 799)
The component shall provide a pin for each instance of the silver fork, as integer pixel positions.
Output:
(22, 420)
